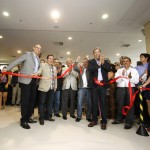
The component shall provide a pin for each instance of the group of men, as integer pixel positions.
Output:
(94, 94)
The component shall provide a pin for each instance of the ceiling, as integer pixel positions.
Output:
(30, 23)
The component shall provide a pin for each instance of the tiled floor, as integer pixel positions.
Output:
(66, 135)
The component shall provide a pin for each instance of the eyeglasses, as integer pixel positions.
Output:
(38, 48)
(126, 61)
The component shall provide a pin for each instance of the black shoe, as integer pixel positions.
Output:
(89, 119)
(127, 126)
(41, 122)
(78, 119)
(92, 124)
(12, 104)
(73, 116)
(103, 126)
(64, 117)
(18, 104)
(32, 121)
(116, 122)
(50, 119)
(24, 125)
(57, 115)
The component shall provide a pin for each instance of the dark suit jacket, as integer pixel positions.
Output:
(80, 85)
(93, 68)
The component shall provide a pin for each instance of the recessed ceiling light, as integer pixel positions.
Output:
(55, 14)
(68, 53)
(104, 16)
(139, 40)
(118, 54)
(19, 51)
(70, 38)
(1, 36)
(56, 21)
(5, 13)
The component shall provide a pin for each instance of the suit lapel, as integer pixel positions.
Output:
(33, 57)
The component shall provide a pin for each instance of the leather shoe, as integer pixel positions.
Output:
(73, 116)
(92, 124)
(103, 126)
(78, 119)
(64, 117)
(32, 121)
(50, 119)
(116, 122)
(57, 115)
(127, 126)
(41, 122)
(89, 119)
(24, 125)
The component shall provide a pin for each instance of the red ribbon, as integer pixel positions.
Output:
(37, 77)
(81, 70)
(67, 70)
(125, 109)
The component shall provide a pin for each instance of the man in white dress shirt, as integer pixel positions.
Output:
(123, 95)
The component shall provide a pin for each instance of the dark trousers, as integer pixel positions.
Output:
(28, 93)
(67, 95)
(123, 99)
(99, 101)
(46, 100)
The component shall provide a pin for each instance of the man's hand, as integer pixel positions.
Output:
(101, 61)
(6, 86)
(102, 58)
(34, 74)
(129, 75)
(78, 58)
(123, 72)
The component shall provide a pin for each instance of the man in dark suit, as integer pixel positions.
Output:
(99, 69)
(30, 64)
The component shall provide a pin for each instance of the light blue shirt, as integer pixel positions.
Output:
(141, 69)
(36, 63)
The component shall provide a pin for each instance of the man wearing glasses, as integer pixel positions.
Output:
(30, 64)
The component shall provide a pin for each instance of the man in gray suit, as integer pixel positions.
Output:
(30, 64)
(69, 89)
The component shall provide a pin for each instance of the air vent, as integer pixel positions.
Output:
(59, 43)
(56, 27)
(125, 45)
(13, 56)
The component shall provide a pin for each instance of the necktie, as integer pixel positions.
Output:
(52, 73)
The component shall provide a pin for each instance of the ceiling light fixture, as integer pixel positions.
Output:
(19, 51)
(55, 14)
(5, 13)
(104, 16)
(139, 40)
(56, 21)
(70, 38)
(118, 54)
(1, 36)
(68, 53)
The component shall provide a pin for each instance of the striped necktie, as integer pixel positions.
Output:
(52, 73)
